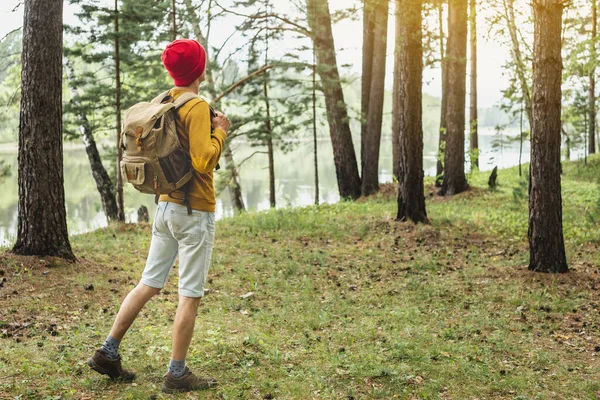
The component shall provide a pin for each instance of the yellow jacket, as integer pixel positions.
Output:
(194, 130)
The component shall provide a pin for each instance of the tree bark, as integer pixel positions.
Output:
(409, 110)
(235, 190)
(174, 18)
(42, 223)
(454, 155)
(319, 19)
(314, 122)
(592, 89)
(270, 152)
(101, 177)
(509, 14)
(474, 124)
(444, 110)
(372, 141)
(547, 249)
(521, 141)
(119, 127)
(367, 70)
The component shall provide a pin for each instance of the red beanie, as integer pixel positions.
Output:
(185, 60)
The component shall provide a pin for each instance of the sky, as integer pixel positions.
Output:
(348, 39)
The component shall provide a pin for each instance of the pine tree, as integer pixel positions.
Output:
(546, 242)
(371, 141)
(121, 69)
(454, 155)
(408, 110)
(473, 120)
(319, 20)
(444, 106)
(272, 105)
(42, 223)
(592, 80)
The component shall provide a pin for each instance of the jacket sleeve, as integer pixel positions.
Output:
(205, 149)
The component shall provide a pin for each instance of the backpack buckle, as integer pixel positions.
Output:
(138, 138)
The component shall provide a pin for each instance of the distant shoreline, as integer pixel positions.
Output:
(14, 147)
(68, 145)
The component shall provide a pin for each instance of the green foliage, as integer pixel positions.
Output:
(521, 190)
(143, 25)
(5, 171)
(10, 85)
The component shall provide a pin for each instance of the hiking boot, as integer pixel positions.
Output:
(106, 366)
(186, 383)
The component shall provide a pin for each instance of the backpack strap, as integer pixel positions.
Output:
(183, 99)
(161, 97)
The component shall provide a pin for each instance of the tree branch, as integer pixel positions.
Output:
(299, 28)
(10, 33)
(241, 82)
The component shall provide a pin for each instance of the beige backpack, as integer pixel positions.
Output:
(154, 161)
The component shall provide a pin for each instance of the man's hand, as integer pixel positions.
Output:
(221, 121)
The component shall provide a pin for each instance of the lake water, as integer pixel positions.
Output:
(293, 170)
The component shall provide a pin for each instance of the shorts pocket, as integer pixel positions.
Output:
(186, 228)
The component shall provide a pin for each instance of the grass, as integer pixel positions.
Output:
(347, 304)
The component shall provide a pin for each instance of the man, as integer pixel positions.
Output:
(175, 232)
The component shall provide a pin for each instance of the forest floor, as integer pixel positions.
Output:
(346, 304)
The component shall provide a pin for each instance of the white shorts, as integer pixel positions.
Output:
(191, 236)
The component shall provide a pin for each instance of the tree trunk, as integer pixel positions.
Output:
(547, 249)
(408, 107)
(120, 205)
(235, 189)
(346, 167)
(521, 142)
(269, 132)
(103, 182)
(474, 124)
(592, 90)
(509, 14)
(444, 110)
(367, 70)
(372, 141)
(314, 109)
(203, 40)
(454, 155)
(42, 223)
(174, 19)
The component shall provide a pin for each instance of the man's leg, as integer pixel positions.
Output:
(183, 327)
(130, 308)
(162, 254)
(195, 250)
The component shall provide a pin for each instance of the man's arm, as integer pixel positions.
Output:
(205, 149)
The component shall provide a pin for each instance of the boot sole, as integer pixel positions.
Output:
(104, 371)
(167, 390)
